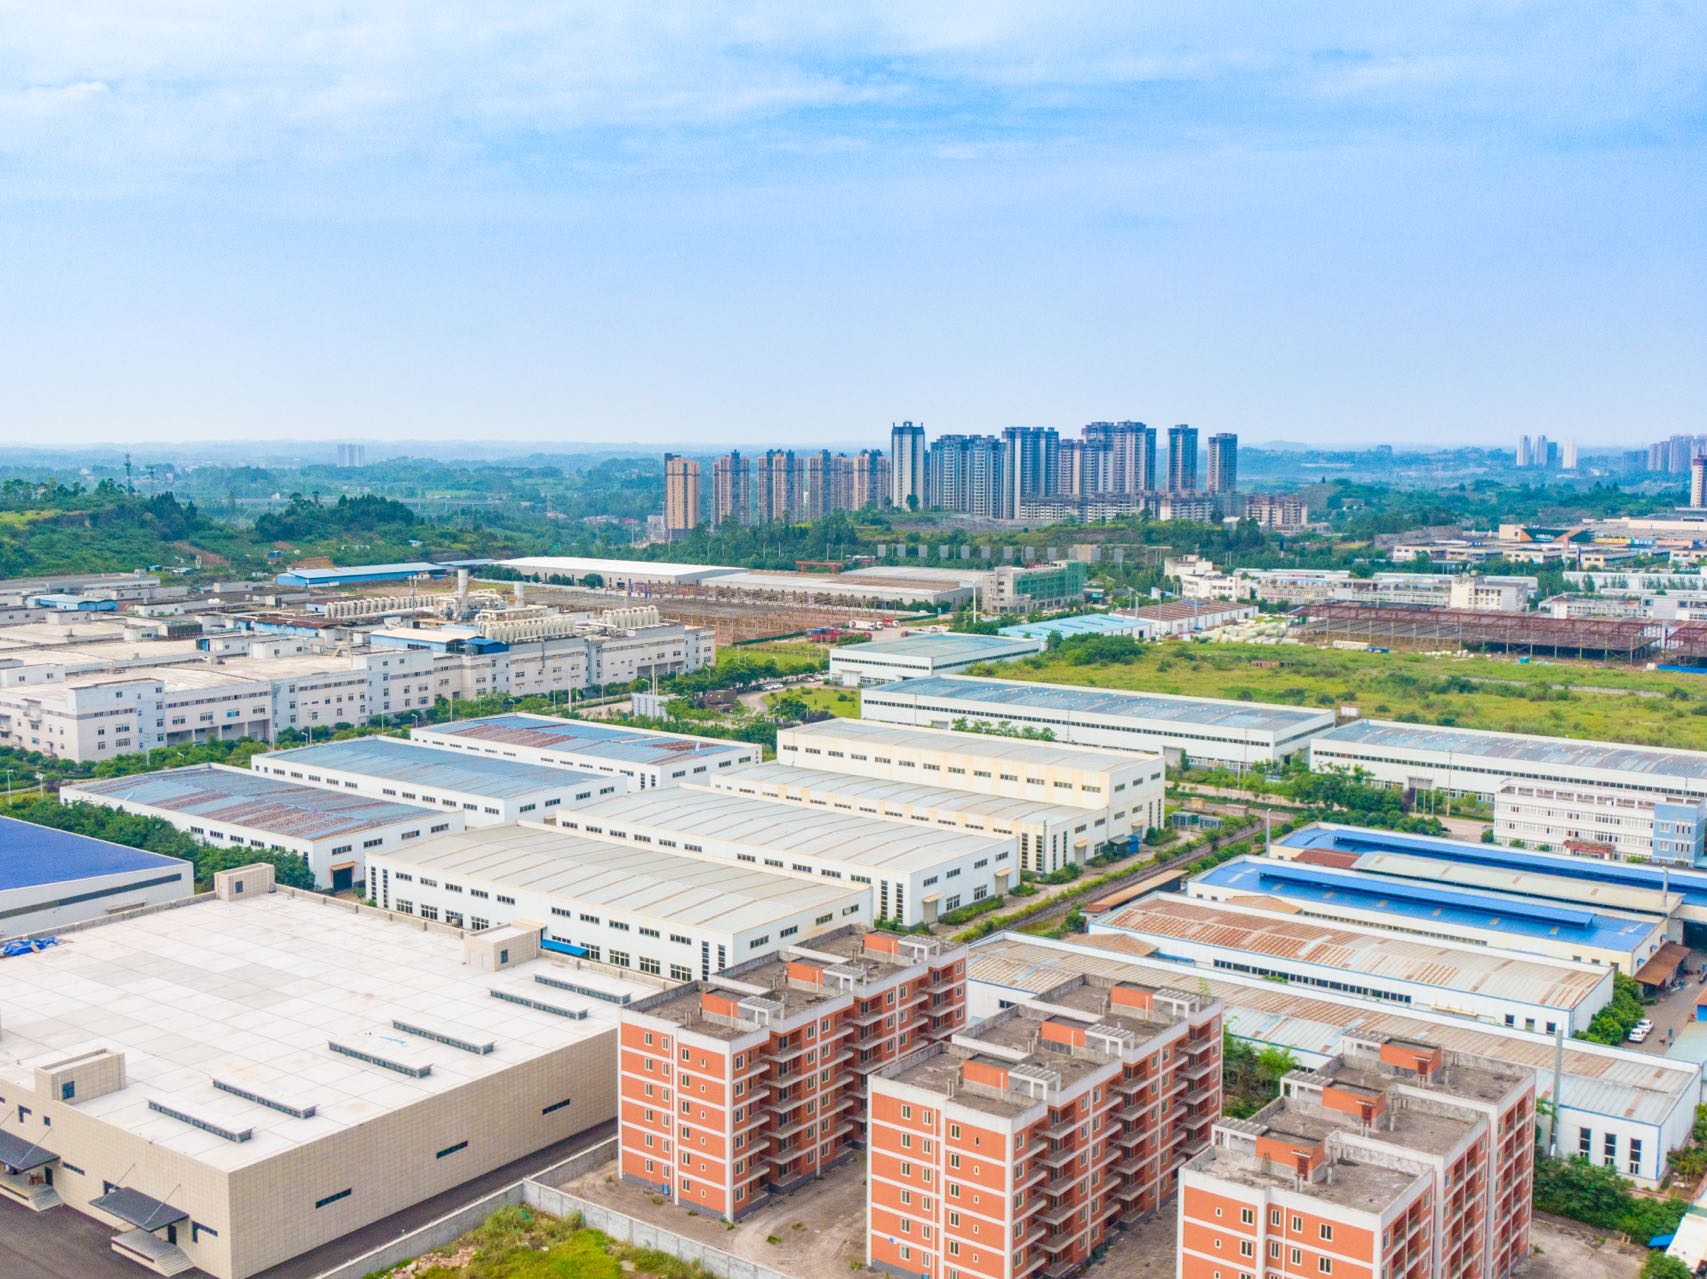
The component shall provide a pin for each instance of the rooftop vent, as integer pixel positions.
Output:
(206, 1125)
(479, 1049)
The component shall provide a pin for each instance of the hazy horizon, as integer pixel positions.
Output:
(703, 225)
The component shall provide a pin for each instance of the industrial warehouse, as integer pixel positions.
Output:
(333, 831)
(487, 791)
(1239, 734)
(647, 759)
(914, 874)
(654, 910)
(1501, 986)
(182, 1078)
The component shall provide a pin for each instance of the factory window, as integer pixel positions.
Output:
(759, 941)
(679, 972)
(429, 912)
(650, 965)
(373, 843)
(332, 1199)
(555, 1106)
(197, 1230)
(680, 940)
(619, 958)
(405, 908)
(451, 1150)
(508, 901)
(648, 932)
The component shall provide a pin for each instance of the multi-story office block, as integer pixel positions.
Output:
(907, 465)
(1223, 463)
(744, 1085)
(1397, 1159)
(1182, 459)
(1016, 1147)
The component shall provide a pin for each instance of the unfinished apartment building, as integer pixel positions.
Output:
(1015, 1147)
(1395, 1159)
(746, 1084)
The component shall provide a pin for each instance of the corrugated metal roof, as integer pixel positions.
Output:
(1611, 1082)
(663, 885)
(239, 797)
(1358, 950)
(1165, 708)
(1651, 901)
(32, 855)
(1559, 752)
(865, 733)
(415, 764)
(781, 828)
(581, 737)
(941, 646)
(782, 779)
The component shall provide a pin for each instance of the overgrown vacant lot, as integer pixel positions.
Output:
(1561, 699)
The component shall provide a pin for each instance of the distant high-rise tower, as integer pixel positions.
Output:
(1223, 463)
(681, 494)
(907, 464)
(1120, 457)
(1031, 460)
(731, 491)
(352, 455)
(1568, 455)
(966, 475)
(1525, 452)
(1182, 459)
(773, 486)
(1698, 482)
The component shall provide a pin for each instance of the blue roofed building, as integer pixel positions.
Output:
(1514, 921)
(55, 878)
(486, 790)
(366, 574)
(1078, 626)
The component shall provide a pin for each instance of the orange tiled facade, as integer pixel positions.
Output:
(744, 1085)
(1015, 1147)
(1394, 1161)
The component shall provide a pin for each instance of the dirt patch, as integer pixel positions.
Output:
(815, 1232)
(1569, 1250)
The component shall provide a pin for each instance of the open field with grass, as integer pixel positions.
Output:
(1560, 699)
(830, 699)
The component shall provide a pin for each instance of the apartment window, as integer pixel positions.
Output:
(1248, 1217)
(1327, 1233)
(1325, 1265)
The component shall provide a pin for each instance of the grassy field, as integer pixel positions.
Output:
(516, 1243)
(1560, 699)
(836, 701)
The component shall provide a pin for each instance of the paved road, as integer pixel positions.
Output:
(60, 1243)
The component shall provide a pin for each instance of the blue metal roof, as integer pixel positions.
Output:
(1690, 885)
(412, 763)
(1495, 912)
(1070, 627)
(32, 855)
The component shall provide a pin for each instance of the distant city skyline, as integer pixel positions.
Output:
(705, 227)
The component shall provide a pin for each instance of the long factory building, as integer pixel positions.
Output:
(648, 759)
(1507, 987)
(1468, 761)
(1125, 791)
(656, 910)
(1237, 734)
(914, 875)
(1469, 916)
(933, 653)
(1049, 835)
(1670, 893)
(486, 790)
(1612, 1102)
(334, 831)
(232, 1082)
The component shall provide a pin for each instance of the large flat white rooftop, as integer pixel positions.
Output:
(666, 886)
(252, 993)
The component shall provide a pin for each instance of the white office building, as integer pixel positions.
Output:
(1601, 821)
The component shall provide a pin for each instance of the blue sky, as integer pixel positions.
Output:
(719, 225)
